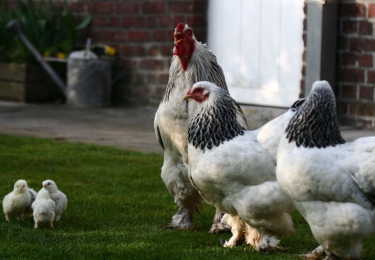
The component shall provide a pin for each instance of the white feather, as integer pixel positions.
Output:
(57, 196)
(17, 202)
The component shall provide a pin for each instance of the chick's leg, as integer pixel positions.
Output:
(238, 228)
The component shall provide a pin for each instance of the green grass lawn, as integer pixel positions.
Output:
(117, 206)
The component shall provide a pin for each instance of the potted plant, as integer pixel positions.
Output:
(51, 27)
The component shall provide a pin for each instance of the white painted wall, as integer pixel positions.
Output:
(259, 45)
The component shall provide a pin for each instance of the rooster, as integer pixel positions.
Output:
(192, 61)
(234, 172)
(331, 182)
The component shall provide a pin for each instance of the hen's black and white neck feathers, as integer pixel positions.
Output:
(202, 67)
(315, 122)
(215, 121)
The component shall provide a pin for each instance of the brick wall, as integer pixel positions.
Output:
(355, 80)
(142, 33)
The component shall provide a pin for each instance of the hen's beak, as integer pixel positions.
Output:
(187, 97)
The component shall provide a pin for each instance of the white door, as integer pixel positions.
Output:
(259, 45)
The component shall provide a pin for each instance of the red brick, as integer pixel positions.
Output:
(348, 58)
(196, 20)
(139, 22)
(159, 35)
(370, 76)
(200, 35)
(152, 22)
(127, 22)
(151, 64)
(114, 21)
(100, 21)
(103, 7)
(166, 21)
(178, 19)
(351, 75)
(349, 92)
(365, 60)
(151, 78)
(200, 6)
(362, 44)
(163, 78)
(352, 10)
(349, 26)
(365, 28)
(153, 7)
(127, 50)
(127, 8)
(181, 7)
(77, 7)
(139, 79)
(342, 43)
(119, 36)
(371, 10)
(102, 36)
(139, 51)
(138, 36)
(366, 93)
(154, 50)
(166, 50)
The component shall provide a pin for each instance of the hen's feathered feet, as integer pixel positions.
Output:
(183, 219)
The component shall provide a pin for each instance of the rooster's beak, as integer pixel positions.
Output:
(187, 97)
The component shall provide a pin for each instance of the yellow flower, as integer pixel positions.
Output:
(61, 55)
(46, 54)
(110, 50)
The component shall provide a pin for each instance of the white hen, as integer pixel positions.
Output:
(192, 61)
(233, 172)
(57, 196)
(44, 209)
(328, 180)
(18, 201)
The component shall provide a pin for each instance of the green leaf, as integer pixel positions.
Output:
(85, 22)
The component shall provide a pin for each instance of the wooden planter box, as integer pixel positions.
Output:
(30, 83)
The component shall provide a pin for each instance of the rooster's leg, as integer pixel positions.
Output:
(185, 196)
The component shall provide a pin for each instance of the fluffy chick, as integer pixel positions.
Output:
(43, 209)
(18, 201)
(33, 197)
(57, 196)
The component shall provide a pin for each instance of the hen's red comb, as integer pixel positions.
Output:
(180, 27)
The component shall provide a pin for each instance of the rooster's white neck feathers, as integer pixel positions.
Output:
(202, 66)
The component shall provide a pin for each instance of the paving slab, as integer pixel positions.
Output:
(130, 128)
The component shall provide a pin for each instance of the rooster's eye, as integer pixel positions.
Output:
(189, 33)
(49, 183)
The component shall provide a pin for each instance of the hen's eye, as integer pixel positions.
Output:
(189, 32)
(49, 183)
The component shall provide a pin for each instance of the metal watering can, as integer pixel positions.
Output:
(88, 78)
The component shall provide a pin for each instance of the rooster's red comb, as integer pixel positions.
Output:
(180, 27)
